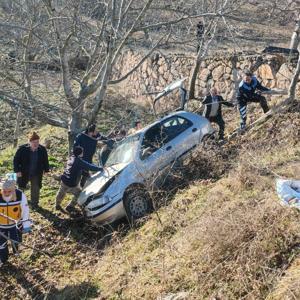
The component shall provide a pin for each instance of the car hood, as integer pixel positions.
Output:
(98, 180)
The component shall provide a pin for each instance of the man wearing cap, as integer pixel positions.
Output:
(70, 179)
(88, 140)
(30, 163)
(14, 215)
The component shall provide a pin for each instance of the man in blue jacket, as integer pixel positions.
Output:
(88, 140)
(71, 177)
(247, 93)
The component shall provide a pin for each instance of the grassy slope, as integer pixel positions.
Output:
(225, 237)
(228, 239)
(74, 245)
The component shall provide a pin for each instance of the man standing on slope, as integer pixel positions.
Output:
(246, 94)
(71, 177)
(30, 164)
(14, 218)
(213, 110)
(88, 141)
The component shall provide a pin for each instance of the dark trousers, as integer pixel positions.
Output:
(257, 98)
(218, 119)
(35, 190)
(104, 154)
(85, 176)
(35, 186)
(12, 233)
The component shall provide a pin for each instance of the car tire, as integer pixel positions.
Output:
(137, 203)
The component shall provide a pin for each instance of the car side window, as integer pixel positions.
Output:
(175, 126)
(154, 139)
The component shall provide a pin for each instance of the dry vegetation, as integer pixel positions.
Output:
(223, 235)
(228, 239)
(220, 234)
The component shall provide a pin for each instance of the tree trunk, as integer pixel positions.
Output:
(293, 85)
(194, 78)
(295, 36)
(75, 126)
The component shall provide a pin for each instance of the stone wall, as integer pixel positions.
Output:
(223, 72)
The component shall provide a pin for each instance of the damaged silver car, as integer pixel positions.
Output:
(140, 163)
(137, 161)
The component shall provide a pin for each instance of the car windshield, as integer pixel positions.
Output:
(123, 151)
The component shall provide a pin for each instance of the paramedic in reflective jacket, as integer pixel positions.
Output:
(246, 94)
(213, 110)
(14, 217)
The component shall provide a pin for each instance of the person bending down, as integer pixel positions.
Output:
(70, 179)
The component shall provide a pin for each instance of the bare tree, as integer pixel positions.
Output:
(59, 57)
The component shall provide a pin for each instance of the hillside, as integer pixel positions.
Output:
(223, 234)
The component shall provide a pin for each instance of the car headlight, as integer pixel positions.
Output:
(98, 202)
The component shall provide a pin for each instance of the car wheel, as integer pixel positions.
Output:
(137, 203)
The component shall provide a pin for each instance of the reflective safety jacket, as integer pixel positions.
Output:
(247, 91)
(14, 211)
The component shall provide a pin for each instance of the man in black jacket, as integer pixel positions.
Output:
(213, 110)
(71, 177)
(30, 163)
(88, 141)
(247, 93)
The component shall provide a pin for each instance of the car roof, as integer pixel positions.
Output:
(182, 113)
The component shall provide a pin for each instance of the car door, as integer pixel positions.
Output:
(155, 155)
(182, 135)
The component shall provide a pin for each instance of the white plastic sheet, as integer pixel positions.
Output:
(289, 192)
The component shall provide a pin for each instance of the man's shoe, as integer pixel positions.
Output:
(34, 206)
(70, 209)
(58, 207)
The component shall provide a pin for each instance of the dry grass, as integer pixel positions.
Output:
(223, 236)
(224, 239)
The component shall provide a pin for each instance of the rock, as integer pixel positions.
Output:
(218, 72)
(284, 73)
(221, 86)
(203, 84)
(265, 72)
(228, 70)
(162, 69)
(211, 66)
(204, 74)
(144, 66)
(203, 65)
(231, 95)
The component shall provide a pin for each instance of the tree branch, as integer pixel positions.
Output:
(115, 81)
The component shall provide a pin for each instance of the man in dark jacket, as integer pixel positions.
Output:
(71, 177)
(213, 110)
(88, 141)
(30, 163)
(246, 94)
